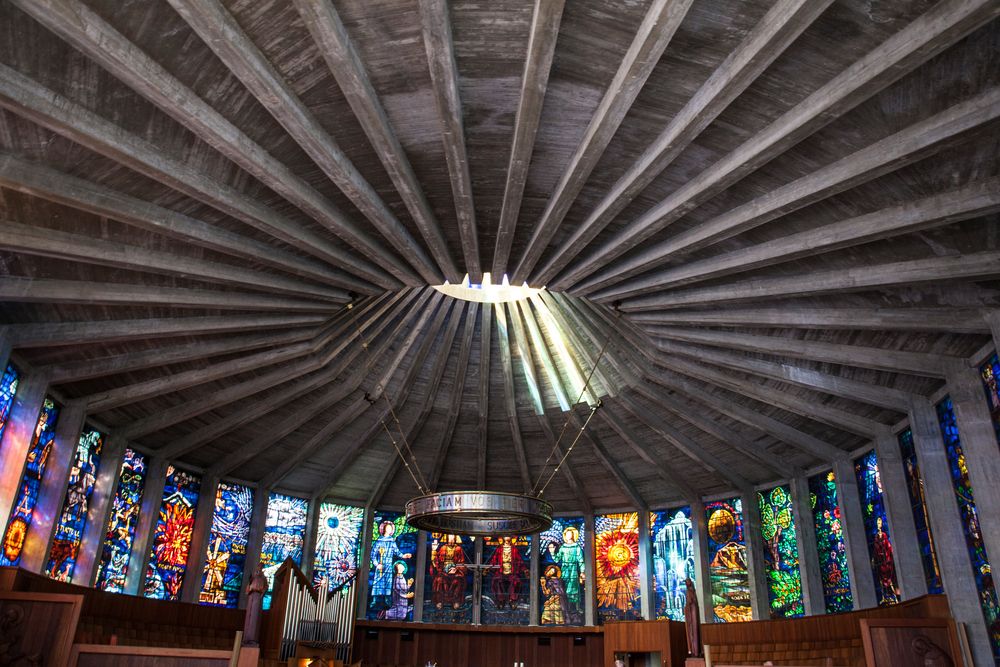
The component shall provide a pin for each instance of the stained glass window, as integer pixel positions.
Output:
(616, 557)
(392, 567)
(121, 523)
(918, 505)
(563, 572)
(31, 483)
(781, 553)
(338, 541)
(727, 561)
(227, 546)
(672, 538)
(448, 582)
(172, 536)
(284, 536)
(8, 388)
(830, 545)
(970, 523)
(69, 531)
(991, 383)
(507, 583)
(877, 529)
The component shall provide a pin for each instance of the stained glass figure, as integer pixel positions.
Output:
(991, 383)
(727, 561)
(338, 541)
(506, 588)
(672, 537)
(830, 545)
(73, 518)
(31, 483)
(448, 582)
(781, 553)
(563, 572)
(284, 536)
(978, 557)
(8, 389)
(877, 529)
(392, 567)
(172, 536)
(227, 546)
(616, 557)
(118, 539)
(918, 506)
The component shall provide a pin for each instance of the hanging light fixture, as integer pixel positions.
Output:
(480, 512)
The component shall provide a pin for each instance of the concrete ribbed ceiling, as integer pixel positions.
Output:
(793, 203)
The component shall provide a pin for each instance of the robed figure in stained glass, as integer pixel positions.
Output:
(401, 592)
(448, 572)
(570, 560)
(505, 584)
(384, 553)
(884, 563)
(556, 609)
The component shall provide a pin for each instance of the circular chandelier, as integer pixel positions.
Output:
(484, 513)
(480, 512)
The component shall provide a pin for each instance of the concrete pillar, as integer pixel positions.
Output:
(5, 348)
(204, 515)
(855, 541)
(149, 512)
(757, 570)
(993, 317)
(590, 569)
(309, 544)
(645, 566)
(702, 573)
(255, 539)
(478, 581)
(805, 539)
(17, 435)
(98, 511)
(947, 527)
(534, 611)
(906, 548)
(419, 576)
(979, 444)
(52, 494)
(364, 561)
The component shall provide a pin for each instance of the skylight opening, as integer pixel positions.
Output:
(487, 291)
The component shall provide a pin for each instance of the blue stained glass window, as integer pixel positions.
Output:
(117, 549)
(172, 536)
(31, 483)
(616, 557)
(880, 547)
(284, 536)
(991, 383)
(781, 553)
(970, 523)
(338, 542)
(830, 547)
(918, 505)
(73, 518)
(563, 572)
(448, 583)
(507, 583)
(392, 568)
(727, 561)
(227, 546)
(672, 537)
(8, 389)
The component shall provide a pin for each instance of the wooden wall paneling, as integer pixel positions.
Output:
(38, 624)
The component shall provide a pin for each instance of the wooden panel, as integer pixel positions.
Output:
(39, 625)
(416, 643)
(890, 642)
(99, 655)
